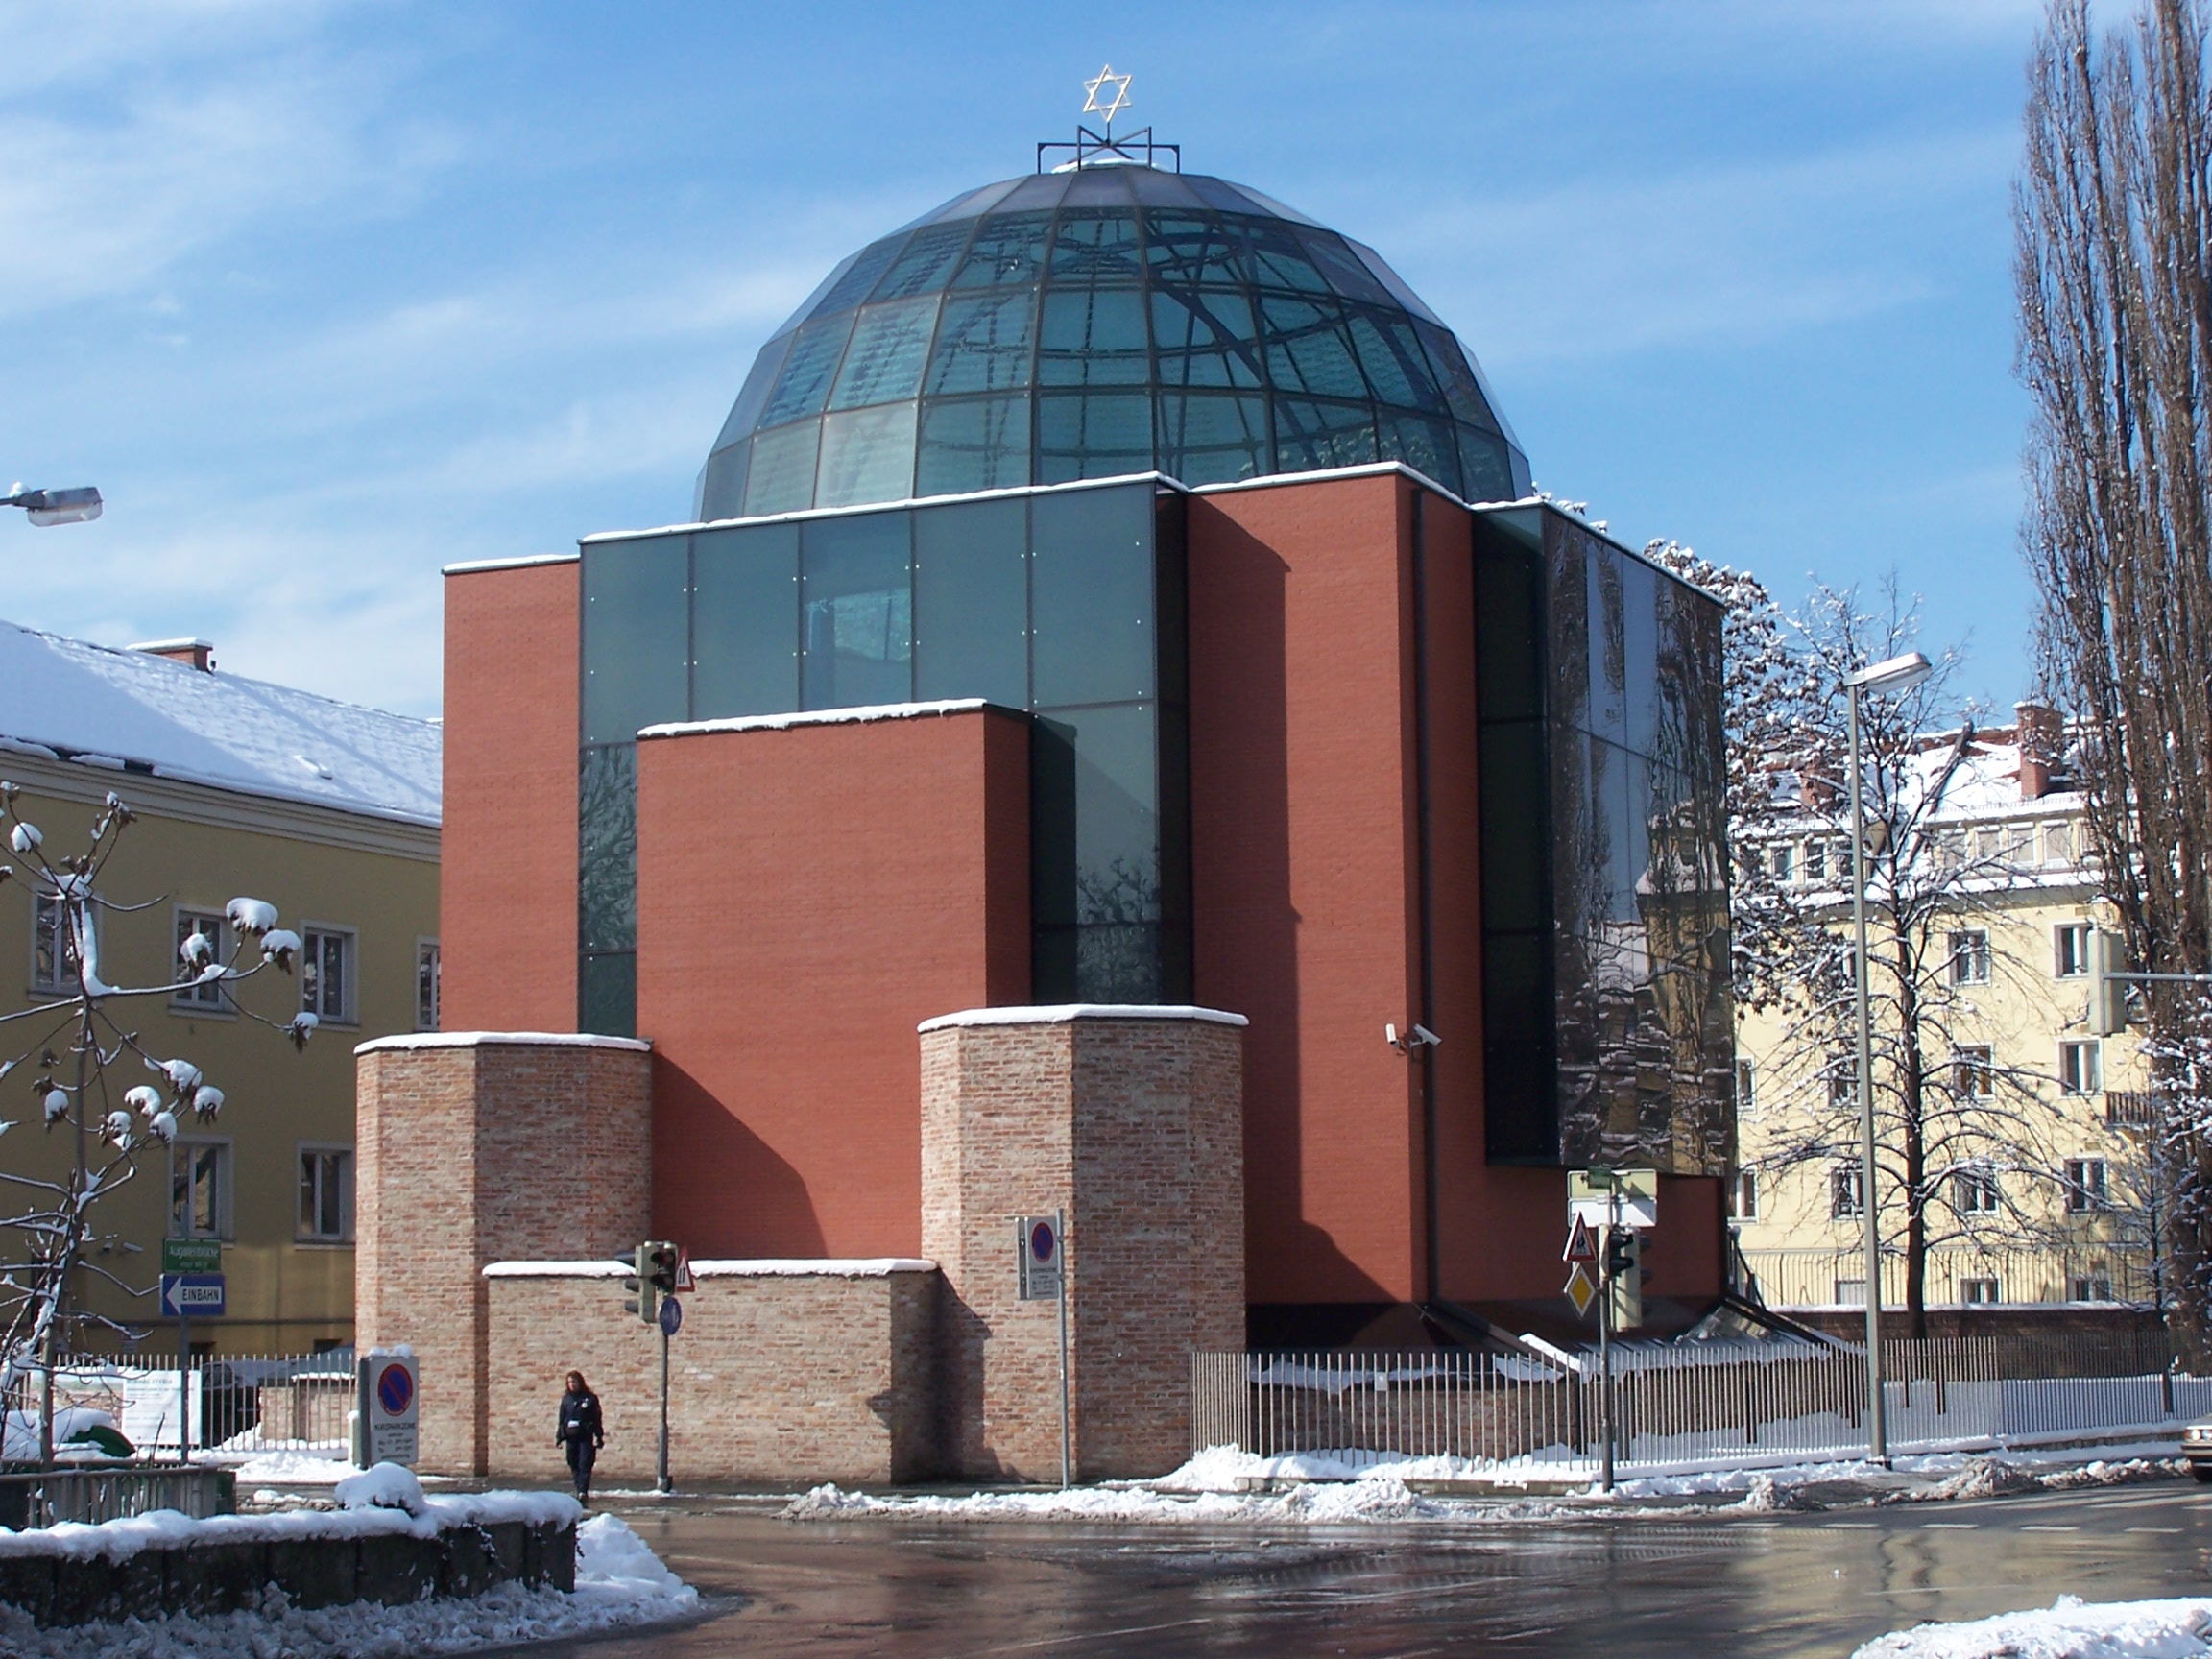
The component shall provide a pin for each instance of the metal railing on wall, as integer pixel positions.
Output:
(237, 1403)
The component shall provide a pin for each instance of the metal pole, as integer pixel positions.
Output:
(661, 1464)
(1877, 1428)
(184, 1386)
(1605, 1334)
(1066, 1470)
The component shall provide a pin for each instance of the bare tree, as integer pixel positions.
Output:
(2114, 266)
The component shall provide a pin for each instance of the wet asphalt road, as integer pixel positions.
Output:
(1709, 1585)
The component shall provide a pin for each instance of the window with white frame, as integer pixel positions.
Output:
(326, 1193)
(52, 951)
(1843, 1083)
(1980, 1293)
(207, 924)
(2059, 843)
(1747, 1088)
(1988, 843)
(2092, 1287)
(1850, 1292)
(2085, 1184)
(1974, 1072)
(1744, 1195)
(1970, 956)
(426, 984)
(1817, 859)
(200, 1188)
(2020, 844)
(2080, 1066)
(326, 974)
(1846, 1191)
(1782, 861)
(1974, 1191)
(2070, 949)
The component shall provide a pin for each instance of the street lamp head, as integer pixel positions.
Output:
(1896, 673)
(43, 507)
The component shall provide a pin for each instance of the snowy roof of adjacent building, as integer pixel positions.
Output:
(130, 711)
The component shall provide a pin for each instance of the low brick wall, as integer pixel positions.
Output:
(784, 1371)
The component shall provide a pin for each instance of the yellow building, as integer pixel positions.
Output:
(324, 809)
(2042, 1190)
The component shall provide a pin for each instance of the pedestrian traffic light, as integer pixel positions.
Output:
(2108, 985)
(659, 1259)
(642, 1283)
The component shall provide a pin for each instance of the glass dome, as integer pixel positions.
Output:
(1106, 320)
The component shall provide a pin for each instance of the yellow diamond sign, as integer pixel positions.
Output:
(1580, 1290)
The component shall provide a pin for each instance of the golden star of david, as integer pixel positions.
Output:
(1117, 87)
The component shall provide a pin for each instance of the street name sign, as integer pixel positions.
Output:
(192, 1295)
(191, 1255)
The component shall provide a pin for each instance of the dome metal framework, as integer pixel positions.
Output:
(1099, 321)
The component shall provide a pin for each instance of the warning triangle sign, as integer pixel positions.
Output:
(1581, 1243)
(1580, 1290)
(683, 1279)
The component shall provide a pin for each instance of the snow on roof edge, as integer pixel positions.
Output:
(519, 562)
(474, 1039)
(1059, 1013)
(861, 715)
(738, 1267)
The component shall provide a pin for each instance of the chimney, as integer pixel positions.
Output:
(197, 654)
(2038, 736)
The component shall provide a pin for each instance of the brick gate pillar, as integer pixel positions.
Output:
(474, 1147)
(1130, 1120)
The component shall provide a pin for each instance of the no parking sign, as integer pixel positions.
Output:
(390, 1405)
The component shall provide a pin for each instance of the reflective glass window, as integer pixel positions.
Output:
(1204, 338)
(745, 413)
(1044, 191)
(1462, 392)
(1608, 708)
(1008, 247)
(1091, 595)
(973, 444)
(607, 995)
(745, 621)
(804, 383)
(1306, 347)
(1342, 269)
(637, 636)
(971, 602)
(1095, 246)
(883, 363)
(1092, 337)
(1092, 435)
(867, 455)
(1097, 889)
(1098, 187)
(606, 872)
(783, 475)
(722, 482)
(1423, 445)
(861, 278)
(926, 262)
(858, 615)
(1640, 652)
(1213, 438)
(983, 341)
(1276, 259)
(1311, 436)
(1193, 250)
(1485, 470)
(1393, 359)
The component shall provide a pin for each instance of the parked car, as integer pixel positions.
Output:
(2197, 1447)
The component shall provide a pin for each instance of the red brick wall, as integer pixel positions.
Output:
(507, 886)
(805, 898)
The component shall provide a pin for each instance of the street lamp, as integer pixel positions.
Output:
(56, 506)
(1896, 674)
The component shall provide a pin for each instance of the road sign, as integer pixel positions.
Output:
(191, 1256)
(192, 1295)
(390, 1407)
(1039, 1248)
(1580, 1291)
(1581, 1243)
(1589, 1195)
(671, 1316)
(684, 1279)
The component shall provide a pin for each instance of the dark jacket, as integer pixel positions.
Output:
(580, 1420)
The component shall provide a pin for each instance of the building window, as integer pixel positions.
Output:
(1979, 1292)
(1843, 1083)
(1782, 861)
(2085, 1184)
(2080, 1066)
(1846, 1191)
(200, 1190)
(1974, 1191)
(1816, 860)
(1744, 1195)
(1850, 1292)
(53, 952)
(2059, 843)
(2092, 1287)
(1988, 845)
(209, 926)
(1974, 1072)
(2070, 949)
(326, 1193)
(1950, 849)
(426, 984)
(1747, 1088)
(327, 974)
(1970, 956)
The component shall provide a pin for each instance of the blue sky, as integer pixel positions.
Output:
(325, 296)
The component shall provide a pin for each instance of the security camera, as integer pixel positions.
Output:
(1423, 1035)
(1419, 1037)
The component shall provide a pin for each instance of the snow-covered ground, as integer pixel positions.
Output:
(2068, 1629)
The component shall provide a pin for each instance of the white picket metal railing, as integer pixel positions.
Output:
(235, 1403)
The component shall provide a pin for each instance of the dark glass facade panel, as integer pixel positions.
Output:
(1213, 438)
(745, 413)
(971, 444)
(1308, 349)
(1423, 444)
(1096, 898)
(1092, 337)
(885, 359)
(803, 385)
(1486, 467)
(1605, 923)
(1009, 248)
(927, 262)
(1092, 435)
(1091, 596)
(1203, 337)
(984, 343)
(721, 493)
(856, 613)
(972, 602)
(1095, 245)
(607, 995)
(867, 455)
(1310, 436)
(744, 621)
(782, 479)
(1391, 355)
(637, 637)
(862, 276)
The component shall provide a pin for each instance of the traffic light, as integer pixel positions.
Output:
(643, 1284)
(2108, 985)
(658, 1260)
(1624, 1262)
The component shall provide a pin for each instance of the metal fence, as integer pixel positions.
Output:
(2087, 1275)
(235, 1403)
(1712, 1403)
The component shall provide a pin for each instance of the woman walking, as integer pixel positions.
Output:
(581, 1432)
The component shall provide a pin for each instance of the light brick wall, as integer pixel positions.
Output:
(477, 1149)
(1134, 1127)
(808, 1377)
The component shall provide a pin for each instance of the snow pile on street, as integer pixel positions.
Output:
(386, 1487)
(1320, 1504)
(295, 1468)
(2067, 1629)
(619, 1584)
